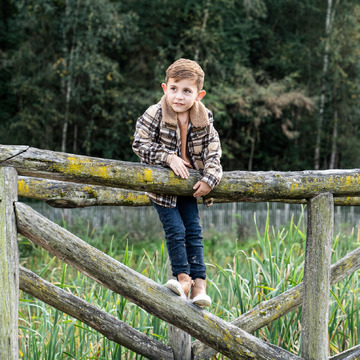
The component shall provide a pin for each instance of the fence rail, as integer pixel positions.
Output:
(320, 190)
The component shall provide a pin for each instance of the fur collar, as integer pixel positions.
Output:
(198, 114)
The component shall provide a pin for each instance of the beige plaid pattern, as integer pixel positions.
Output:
(155, 141)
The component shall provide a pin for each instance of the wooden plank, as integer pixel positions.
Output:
(61, 194)
(270, 310)
(9, 266)
(154, 298)
(315, 308)
(110, 326)
(235, 185)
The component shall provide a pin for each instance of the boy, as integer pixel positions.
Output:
(178, 132)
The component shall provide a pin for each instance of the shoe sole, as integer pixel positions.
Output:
(201, 300)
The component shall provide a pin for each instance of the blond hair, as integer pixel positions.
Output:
(186, 69)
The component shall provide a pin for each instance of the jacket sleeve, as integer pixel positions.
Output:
(212, 152)
(145, 144)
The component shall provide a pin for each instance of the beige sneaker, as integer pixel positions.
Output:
(198, 293)
(181, 286)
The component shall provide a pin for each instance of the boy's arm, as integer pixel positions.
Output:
(145, 144)
(212, 172)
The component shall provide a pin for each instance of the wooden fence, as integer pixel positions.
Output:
(71, 180)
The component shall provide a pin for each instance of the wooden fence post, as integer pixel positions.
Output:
(179, 340)
(9, 266)
(315, 309)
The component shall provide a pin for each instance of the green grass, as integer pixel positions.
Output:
(241, 274)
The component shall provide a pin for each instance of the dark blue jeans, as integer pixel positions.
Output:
(183, 236)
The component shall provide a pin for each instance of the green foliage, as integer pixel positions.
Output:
(66, 73)
(76, 75)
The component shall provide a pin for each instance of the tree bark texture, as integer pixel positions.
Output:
(351, 354)
(328, 27)
(9, 151)
(180, 342)
(61, 194)
(270, 310)
(335, 136)
(235, 185)
(9, 266)
(111, 327)
(154, 298)
(315, 308)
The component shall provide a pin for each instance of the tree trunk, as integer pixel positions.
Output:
(66, 116)
(323, 86)
(334, 137)
(252, 152)
(69, 67)
(202, 33)
(75, 139)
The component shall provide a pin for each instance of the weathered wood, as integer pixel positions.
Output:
(63, 194)
(315, 308)
(179, 340)
(235, 185)
(9, 266)
(351, 354)
(111, 327)
(9, 151)
(154, 298)
(270, 310)
(180, 343)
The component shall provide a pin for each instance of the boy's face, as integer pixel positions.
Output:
(182, 94)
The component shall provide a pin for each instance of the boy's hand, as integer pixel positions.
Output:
(202, 189)
(178, 165)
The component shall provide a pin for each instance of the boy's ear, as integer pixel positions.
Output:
(202, 93)
(163, 85)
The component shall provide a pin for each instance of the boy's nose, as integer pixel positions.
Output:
(179, 95)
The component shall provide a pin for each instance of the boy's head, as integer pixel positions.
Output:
(186, 69)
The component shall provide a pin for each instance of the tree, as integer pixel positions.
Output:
(8, 42)
(66, 69)
(344, 87)
(328, 29)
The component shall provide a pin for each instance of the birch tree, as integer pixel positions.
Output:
(328, 29)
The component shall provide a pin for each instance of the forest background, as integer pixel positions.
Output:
(282, 76)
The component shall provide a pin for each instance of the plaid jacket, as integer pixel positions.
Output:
(157, 138)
